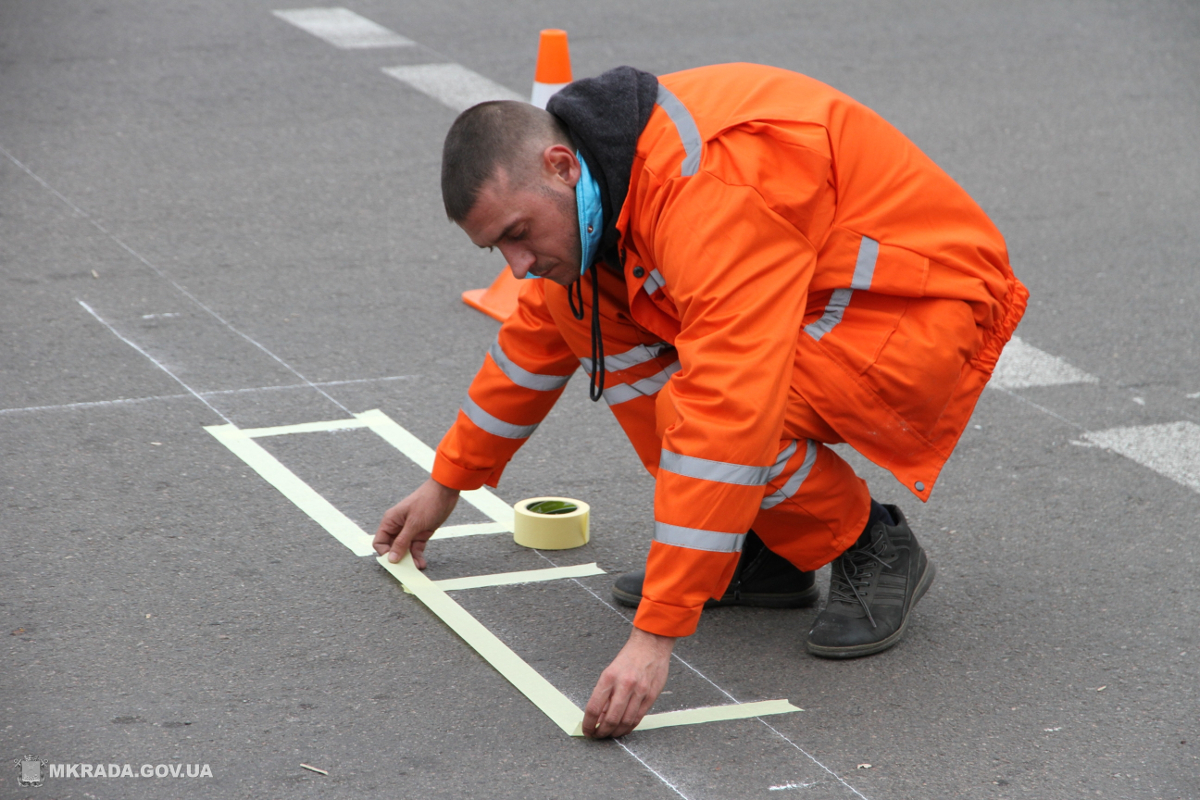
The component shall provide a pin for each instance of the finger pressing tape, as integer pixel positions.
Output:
(551, 523)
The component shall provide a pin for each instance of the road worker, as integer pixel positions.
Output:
(750, 266)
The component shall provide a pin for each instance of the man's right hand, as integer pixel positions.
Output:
(408, 525)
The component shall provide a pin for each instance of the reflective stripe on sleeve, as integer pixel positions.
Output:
(834, 310)
(496, 427)
(784, 456)
(697, 539)
(864, 273)
(523, 377)
(654, 282)
(798, 477)
(689, 134)
(864, 267)
(624, 392)
(709, 470)
(630, 358)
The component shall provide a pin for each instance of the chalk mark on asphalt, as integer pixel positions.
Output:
(153, 361)
(207, 393)
(653, 771)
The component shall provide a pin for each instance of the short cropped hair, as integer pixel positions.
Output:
(488, 136)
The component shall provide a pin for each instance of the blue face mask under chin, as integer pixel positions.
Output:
(591, 217)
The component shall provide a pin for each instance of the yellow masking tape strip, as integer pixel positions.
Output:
(422, 454)
(526, 576)
(694, 716)
(306, 427)
(470, 529)
(321, 510)
(388, 430)
(553, 703)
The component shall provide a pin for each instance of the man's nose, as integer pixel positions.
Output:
(520, 260)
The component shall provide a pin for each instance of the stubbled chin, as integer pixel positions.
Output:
(562, 277)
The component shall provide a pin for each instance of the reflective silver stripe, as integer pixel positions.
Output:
(864, 268)
(496, 427)
(630, 358)
(798, 477)
(781, 461)
(523, 377)
(624, 392)
(708, 470)
(864, 273)
(833, 313)
(697, 539)
(654, 282)
(689, 134)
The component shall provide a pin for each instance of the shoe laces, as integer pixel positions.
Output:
(853, 572)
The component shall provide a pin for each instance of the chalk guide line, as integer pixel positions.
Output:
(434, 594)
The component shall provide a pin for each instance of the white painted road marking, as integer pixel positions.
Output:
(1023, 365)
(1171, 449)
(342, 28)
(452, 85)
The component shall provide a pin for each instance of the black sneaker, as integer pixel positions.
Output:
(761, 579)
(873, 587)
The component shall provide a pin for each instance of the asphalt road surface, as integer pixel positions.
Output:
(210, 215)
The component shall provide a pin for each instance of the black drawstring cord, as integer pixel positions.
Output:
(596, 389)
(572, 290)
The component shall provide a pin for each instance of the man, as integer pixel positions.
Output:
(771, 268)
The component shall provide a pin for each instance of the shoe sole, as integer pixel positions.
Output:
(855, 651)
(804, 599)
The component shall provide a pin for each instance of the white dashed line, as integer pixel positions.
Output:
(1023, 365)
(1171, 449)
(342, 28)
(453, 85)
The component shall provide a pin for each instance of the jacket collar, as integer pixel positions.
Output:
(605, 116)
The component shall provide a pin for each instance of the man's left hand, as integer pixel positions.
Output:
(629, 686)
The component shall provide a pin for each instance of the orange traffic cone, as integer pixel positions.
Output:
(553, 72)
(553, 66)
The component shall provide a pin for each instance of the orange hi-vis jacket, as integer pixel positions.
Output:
(774, 234)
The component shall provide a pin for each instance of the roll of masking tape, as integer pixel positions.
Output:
(551, 523)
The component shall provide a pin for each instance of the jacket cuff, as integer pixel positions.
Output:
(665, 619)
(452, 476)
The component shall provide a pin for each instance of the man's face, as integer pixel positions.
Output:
(533, 222)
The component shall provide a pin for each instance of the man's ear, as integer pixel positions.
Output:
(559, 162)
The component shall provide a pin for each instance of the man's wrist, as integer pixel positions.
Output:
(647, 639)
(443, 489)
